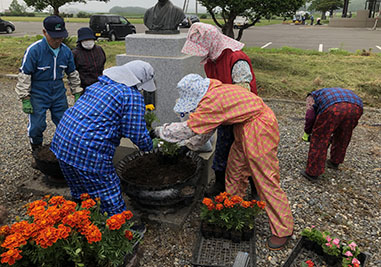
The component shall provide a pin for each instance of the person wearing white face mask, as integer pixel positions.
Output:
(89, 58)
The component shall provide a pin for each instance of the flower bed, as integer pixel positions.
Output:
(57, 232)
(324, 248)
(229, 217)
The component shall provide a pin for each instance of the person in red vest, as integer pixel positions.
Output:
(223, 60)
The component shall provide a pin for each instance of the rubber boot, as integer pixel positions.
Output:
(254, 193)
(219, 185)
(34, 148)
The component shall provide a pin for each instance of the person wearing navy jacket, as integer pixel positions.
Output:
(40, 86)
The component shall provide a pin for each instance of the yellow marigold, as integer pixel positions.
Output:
(11, 256)
(150, 107)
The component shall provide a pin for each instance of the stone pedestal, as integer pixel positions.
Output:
(163, 52)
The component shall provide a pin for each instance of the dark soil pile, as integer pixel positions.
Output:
(149, 170)
(45, 154)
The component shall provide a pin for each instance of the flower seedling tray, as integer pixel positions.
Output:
(293, 259)
(220, 252)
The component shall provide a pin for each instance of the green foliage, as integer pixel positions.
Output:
(326, 5)
(314, 235)
(127, 10)
(253, 10)
(16, 8)
(83, 14)
(167, 148)
(150, 116)
(56, 4)
(203, 16)
(353, 249)
(70, 41)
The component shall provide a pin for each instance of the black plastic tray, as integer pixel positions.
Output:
(363, 257)
(220, 252)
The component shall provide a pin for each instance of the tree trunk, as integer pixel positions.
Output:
(56, 12)
(227, 29)
(345, 9)
(323, 15)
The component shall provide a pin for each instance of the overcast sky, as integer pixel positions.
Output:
(97, 6)
(101, 6)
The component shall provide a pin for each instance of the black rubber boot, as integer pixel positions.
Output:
(254, 193)
(219, 185)
(34, 148)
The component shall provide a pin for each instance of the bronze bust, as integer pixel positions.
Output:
(163, 18)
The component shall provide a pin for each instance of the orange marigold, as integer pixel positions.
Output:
(115, 222)
(236, 199)
(261, 204)
(246, 204)
(57, 200)
(11, 256)
(13, 241)
(5, 230)
(207, 201)
(93, 234)
(85, 196)
(128, 235)
(63, 231)
(47, 237)
(37, 210)
(228, 203)
(219, 206)
(88, 203)
(219, 198)
(127, 214)
(211, 206)
(36, 203)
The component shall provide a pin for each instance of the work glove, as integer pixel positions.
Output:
(76, 96)
(27, 106)
(306, 137)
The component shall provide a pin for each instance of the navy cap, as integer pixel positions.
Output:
(85, 33)
(55, 26)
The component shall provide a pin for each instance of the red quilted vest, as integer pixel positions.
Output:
(221, 69)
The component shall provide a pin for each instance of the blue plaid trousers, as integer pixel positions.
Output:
(106, 186)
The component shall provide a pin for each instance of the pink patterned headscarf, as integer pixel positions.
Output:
(207, 41)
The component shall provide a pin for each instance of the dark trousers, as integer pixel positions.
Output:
(337, 121)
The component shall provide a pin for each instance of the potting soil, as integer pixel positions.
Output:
(148, 170)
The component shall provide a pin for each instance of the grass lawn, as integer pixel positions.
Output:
(283, 73)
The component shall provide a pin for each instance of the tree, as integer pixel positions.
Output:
(326, 5)
(253, 10)
(55, 4)
(16, 9)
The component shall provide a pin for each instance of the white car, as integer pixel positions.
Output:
(240, 21)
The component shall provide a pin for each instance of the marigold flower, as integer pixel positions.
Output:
(93, 234)
(115, 222)
(228, 203)
(127, 214)
(13, 241)
(246, 204)
(57, 200)
(356, 265)
(219, 198)
(47, 237)
(88, 203)
(207, 201)
(211, 206)
(11, 256)
(261, 204)
(84, 196)
(36, 203)
(236, 199)
(5, 230)
(219, 206)
(150, 107)
(128, 235)
(63, 231)
(310, 263)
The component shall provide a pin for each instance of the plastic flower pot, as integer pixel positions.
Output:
(247, 234)
(236, 236)
(308, 244)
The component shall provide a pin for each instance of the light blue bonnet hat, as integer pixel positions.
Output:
(192, 89)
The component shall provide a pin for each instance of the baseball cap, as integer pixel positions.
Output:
(55, 26)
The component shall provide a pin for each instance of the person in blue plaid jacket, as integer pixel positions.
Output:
(89, 132)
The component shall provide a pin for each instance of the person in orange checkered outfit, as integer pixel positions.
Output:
(210, 104)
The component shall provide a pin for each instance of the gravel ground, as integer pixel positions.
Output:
(345, 202)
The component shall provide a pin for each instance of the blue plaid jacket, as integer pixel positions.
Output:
(89, 132)
(328, 96)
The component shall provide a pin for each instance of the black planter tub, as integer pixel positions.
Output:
(180, 191)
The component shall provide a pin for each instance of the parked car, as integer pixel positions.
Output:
(185, 23)
(113, 27)
(7, 26)
(240, 21)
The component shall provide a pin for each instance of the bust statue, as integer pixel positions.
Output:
(163, 18)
